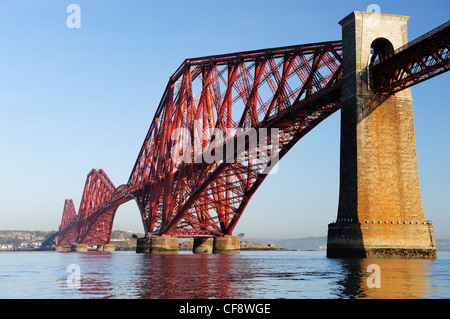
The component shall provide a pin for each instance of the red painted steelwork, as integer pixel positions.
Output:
(290, 89)
(415, 62)
(68, 228)
(94, 220)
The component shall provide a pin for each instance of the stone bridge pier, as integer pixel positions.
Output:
(224, 245)
(380, 211)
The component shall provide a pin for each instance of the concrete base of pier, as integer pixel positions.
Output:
(203, 245)
(79, 248)
(164, 245)
(58, 248)
(157, 245)
(107, 248)
(381, 240)
(143, 245)
(227, 245)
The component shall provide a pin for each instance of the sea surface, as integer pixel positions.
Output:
(249, 275)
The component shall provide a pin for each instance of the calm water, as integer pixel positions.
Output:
(292, 275)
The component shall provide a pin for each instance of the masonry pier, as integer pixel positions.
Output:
(79, 248)
(202, 245)
(227, 245)
(380, 211)
(157, 245)
(164, 245)
(143, 245)
(106, 248)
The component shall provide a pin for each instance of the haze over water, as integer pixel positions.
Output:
(249, 275)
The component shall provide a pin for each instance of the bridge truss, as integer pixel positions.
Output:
(199, 164)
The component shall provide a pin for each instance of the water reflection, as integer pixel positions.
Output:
(292, 275)
(231, 276)
(192, 276)
(96, 277)
(399, 278)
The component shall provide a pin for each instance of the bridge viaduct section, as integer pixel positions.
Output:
(292, 90)
(380, 210)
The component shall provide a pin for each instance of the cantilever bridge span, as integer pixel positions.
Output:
(279, 94)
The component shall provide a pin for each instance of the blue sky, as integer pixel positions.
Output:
(76, 99)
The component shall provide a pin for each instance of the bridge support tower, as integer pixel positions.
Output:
(380, 211)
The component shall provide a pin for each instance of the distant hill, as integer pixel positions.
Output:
(308, 243)
(26, 239)
(443, 244)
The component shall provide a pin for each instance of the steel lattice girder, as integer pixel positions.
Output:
(417, 61)
(94, 221)
(291, 88)
(68, 228)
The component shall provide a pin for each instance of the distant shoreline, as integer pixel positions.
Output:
(245, 246)
(18, 240)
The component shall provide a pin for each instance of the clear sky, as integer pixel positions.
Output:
(76, 99)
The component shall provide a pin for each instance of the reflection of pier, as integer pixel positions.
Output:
(203, 276)
(262, 275)
(398, 278)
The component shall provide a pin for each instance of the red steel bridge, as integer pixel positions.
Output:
(291, 89)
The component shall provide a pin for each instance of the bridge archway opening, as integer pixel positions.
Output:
(128, 218)
(380, 48)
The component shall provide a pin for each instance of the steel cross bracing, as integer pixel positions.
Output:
(211, 102)
(417, 61)
(291, 89)
(257, 89)
(68, 229)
